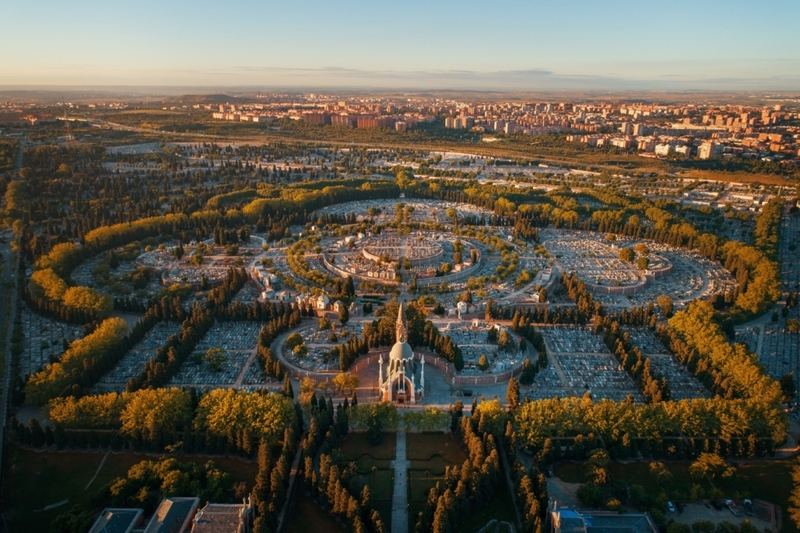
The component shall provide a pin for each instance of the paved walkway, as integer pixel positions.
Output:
(400, 495)
(292, 478)
(250, 359)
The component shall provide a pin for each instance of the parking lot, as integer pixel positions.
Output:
(693, 512)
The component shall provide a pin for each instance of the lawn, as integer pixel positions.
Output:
(420, 482)
(355, 445)
(374, 463)
(306, 517)
(769, 480)
(35, 480)
(500, 507)
(425, 446)
(429, 454)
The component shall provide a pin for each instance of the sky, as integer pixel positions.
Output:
(407, 44)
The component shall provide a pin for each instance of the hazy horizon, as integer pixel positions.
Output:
(469, 45)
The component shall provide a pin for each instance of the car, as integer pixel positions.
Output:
(679, 505)
(670, 507)
(549, 473)
(732, 506)
(748, 507)
(717, 505)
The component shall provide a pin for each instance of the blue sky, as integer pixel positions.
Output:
(467, 44)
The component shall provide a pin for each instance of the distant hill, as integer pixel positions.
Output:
(203, 99)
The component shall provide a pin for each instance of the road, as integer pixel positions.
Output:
(7, 315)
(277, 136)
(21, 152)
(8, 311)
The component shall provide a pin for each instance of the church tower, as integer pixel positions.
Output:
(401, 328)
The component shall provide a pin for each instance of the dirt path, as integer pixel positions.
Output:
(96, 472)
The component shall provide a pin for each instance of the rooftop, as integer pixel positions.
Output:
(222, 518)
(568, 521)
(113, 520)
(173, 515)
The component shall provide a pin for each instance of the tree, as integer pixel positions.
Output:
(793, 325)
(300, 351)
(45, 283)
(288, 390)
(227, 412)
(324, 324)
(150, 413)
(483, 363)
(665, 303)
(491, 416)
(90, 300)
(788, 387)
(528, 372)
(215, 358)
(505, 341)
(590, 494)
(627, 255)
(344, 314)
(794, 497)
(456, 411)
(295, 339)
(642, 262)
(82, 356)
(596, 466)
(712, 466)
(512, 394)
(346, 381)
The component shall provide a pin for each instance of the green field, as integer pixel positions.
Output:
(38, 479)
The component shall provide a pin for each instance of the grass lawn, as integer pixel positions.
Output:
(500, 507)
(769, 480)
(356, 445)
(35, 480)
(429, 454)
(381, 484)
(425, 446)
(307, 517)
(420, 482)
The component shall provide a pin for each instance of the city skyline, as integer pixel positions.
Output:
(576, 45)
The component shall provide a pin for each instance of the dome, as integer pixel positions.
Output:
(401, 351)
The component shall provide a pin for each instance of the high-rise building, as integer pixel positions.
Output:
(709, 149)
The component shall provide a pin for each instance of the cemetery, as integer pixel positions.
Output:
(132, 365)
(45, 340)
